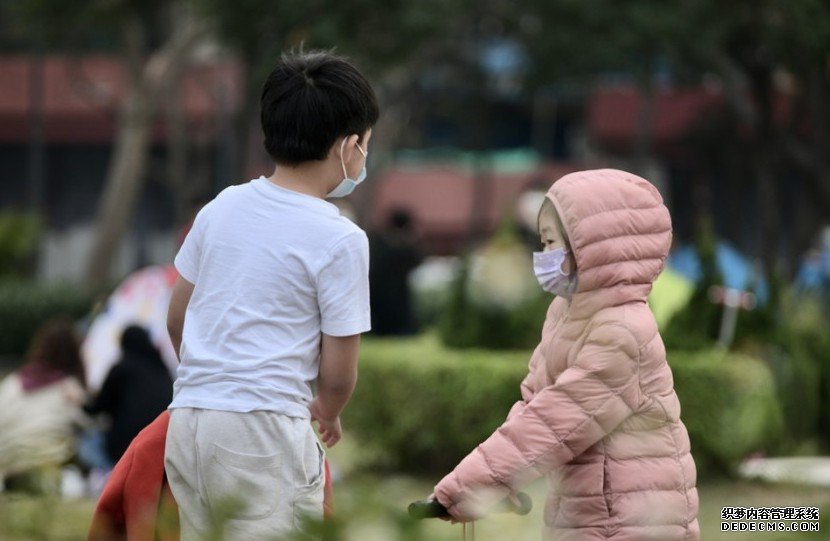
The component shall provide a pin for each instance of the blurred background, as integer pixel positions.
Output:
(119, 119)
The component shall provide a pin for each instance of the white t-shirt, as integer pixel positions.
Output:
(272, 269)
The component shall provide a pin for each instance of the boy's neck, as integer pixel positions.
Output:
(308, 179)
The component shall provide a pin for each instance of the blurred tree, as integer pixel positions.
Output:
(156, 38)
(392, 41)
(395, 42)
(771, 57)
(574, 41)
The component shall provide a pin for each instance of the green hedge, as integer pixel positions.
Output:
(729, 405)
(24, 306)
(19, 237)
(422, 407)
(805, 386)
(425, 406)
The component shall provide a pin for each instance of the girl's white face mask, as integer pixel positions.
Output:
(548, 269)
(348, 185)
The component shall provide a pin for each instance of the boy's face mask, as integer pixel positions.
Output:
(548, 269)
(348, 185)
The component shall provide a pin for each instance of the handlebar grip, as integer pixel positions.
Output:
(427, 509)
(422, 509)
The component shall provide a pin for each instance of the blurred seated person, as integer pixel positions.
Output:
(40, 404)
(394, 254)
(136, 390)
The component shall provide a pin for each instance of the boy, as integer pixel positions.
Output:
(273, 297)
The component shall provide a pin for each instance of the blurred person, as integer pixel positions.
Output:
(136, 390)
(40, 403)
(598, 415)
(394, 255)
(272, 298)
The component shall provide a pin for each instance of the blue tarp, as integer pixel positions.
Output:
(737, 270)
(814, 274)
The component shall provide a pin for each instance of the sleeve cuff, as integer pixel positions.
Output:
(346, 328)
(185, 271)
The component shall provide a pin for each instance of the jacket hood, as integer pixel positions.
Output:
(619, 229)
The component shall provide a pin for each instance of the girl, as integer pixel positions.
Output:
(598, 415)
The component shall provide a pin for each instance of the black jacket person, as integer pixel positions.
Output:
(137, 389)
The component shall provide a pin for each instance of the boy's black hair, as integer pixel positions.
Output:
(310, 100)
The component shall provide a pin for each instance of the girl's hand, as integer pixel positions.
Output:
(449, 518)
(330, 430)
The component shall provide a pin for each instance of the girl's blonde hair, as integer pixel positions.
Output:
(548, 209)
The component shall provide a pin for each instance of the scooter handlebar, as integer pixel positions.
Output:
(431, 508)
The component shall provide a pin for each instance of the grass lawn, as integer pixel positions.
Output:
(373, 505)
(397, 492)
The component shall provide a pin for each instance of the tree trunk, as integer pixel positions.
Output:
(178, 147)
(645, 125)
(768, 201)
(125, 179)
(765, 171)
(246, 126)
(819, 182)
(147, 75)
(385, 139)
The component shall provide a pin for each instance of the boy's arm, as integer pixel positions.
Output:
(182, 291)
(335, 384)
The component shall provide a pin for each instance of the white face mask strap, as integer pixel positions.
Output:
(342, 162)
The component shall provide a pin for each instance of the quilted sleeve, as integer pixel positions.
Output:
(527, 386)
(588, 401)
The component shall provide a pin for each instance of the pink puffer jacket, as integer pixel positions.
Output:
(599, 414)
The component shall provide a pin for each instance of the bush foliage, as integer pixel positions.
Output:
(425, 406)
(24, 306)
(729, 406)
(19, 237)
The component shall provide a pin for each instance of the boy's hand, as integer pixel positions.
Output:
(329, 428)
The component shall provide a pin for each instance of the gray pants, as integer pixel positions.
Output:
(243, 475)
